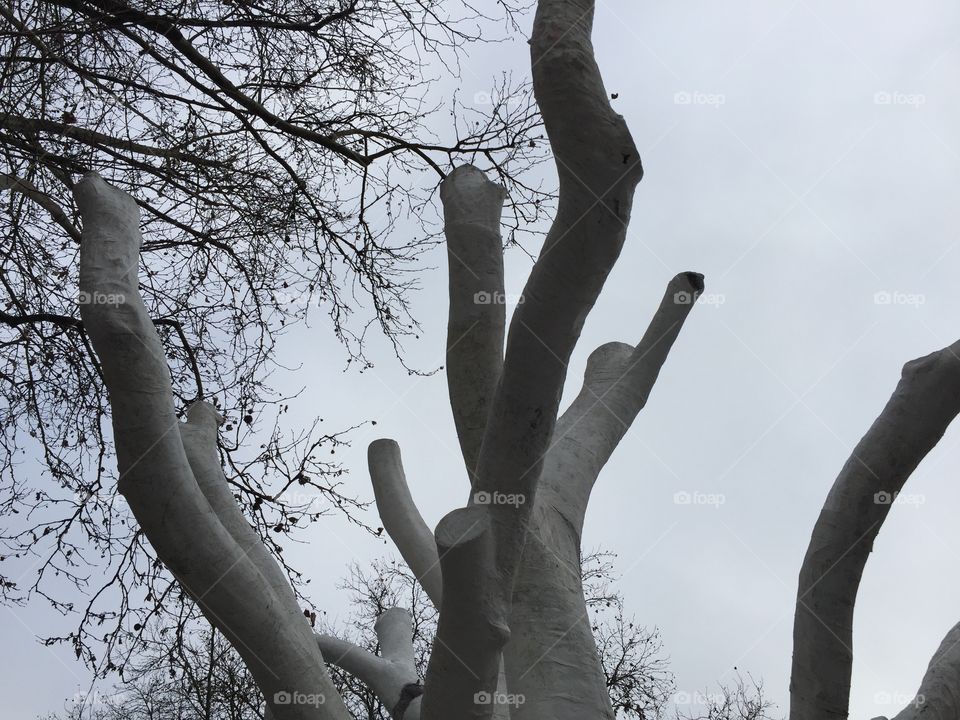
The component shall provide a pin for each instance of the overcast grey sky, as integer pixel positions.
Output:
(806, 158)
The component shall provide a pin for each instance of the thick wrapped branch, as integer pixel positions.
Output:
(939, 695)
(924, 403)
(616, 385)
(401, 518)
(199, 436)
(155, 474)
(465, 663)
(598, 167)
(475, 328)
(393, 675)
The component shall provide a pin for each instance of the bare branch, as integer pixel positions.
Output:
(17, 123)
(28, 189)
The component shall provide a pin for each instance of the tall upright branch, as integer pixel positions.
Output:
(598, 167)
(552, 660)
(472, 206)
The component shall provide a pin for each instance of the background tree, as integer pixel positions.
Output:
(503, 571)
(272, 148)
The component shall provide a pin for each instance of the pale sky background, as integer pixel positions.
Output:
(815, 166)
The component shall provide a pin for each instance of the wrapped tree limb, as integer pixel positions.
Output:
(471, 630)
(616, 385)
(924, 403)
(477, 318)
(199, 437)
(155, 474)
(939, 695)
(598, 167)
(401, 518)
(553, 660)
(393, 675)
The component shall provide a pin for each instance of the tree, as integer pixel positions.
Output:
(271, 148)
(503, 571)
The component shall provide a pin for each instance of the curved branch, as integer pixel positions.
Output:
(401, 518)
(155, 474)
(393, 676)
(199, 437)
(924, 403)
(477, 318)
(598, 168)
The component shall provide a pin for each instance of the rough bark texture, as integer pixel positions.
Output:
(924, 403)
(156, 477)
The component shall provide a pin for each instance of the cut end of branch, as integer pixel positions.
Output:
(694, 279)
(205, 414)
(462, 528)
(469, 197)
